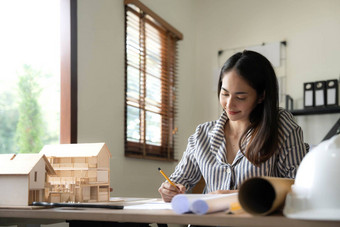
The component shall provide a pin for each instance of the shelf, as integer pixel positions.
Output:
(314, 111)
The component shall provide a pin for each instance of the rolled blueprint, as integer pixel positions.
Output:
(204, 206)
(202, 203)
(263, 195)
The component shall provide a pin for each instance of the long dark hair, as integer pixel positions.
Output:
(262, 134)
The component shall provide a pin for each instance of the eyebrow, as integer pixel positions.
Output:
(240, 92)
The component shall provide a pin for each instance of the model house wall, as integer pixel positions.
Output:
(82, 172)
(22, 178)
(14, 190)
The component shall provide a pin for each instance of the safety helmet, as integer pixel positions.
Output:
(315, 194)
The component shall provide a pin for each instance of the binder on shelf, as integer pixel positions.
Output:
(332, 92)
(308, 95)
(320, 93)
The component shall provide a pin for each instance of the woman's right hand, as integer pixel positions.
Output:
(168, 191)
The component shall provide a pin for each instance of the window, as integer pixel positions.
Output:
(68, 72)
(29, 75)
(31, 50)
(150, 83)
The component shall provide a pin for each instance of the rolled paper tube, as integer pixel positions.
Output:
(263, 195)
(205, 206)
(180, 204)
(202, 203)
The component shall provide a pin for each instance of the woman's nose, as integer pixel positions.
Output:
(230, 103)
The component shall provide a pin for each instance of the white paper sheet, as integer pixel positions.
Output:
(154, 205)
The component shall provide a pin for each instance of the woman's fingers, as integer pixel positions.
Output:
(167, 191)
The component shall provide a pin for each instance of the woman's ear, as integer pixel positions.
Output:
(261, 98)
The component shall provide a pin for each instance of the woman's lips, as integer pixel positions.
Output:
(232, 112)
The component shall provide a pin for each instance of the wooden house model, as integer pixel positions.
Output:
(22, 178)
(82, 172)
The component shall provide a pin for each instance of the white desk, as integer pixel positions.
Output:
(53, 215)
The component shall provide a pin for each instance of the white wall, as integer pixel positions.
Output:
(311, 28)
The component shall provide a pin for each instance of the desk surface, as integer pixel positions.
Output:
(54, 215)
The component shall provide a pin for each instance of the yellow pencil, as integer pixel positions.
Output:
(167, 178)
(235, 207)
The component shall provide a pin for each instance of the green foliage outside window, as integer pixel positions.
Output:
(29, 130)
(24, 124)
(8, 121)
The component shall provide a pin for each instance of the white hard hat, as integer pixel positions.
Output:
(316, 191)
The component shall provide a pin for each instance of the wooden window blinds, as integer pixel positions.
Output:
(150, 83)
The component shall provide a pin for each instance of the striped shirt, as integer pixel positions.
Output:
(206, 156)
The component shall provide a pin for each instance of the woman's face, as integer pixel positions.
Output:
(237, 97)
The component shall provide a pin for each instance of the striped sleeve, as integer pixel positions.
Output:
(292, 148)
(187, 172)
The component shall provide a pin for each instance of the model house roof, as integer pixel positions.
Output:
(22, 164)
(74, 150)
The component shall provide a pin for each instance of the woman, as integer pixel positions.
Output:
(253, 136)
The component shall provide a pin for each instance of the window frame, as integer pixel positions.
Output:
(141, 149)
(68, 72)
